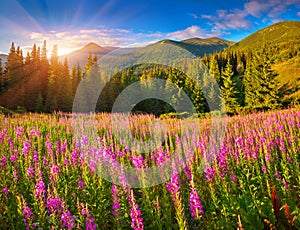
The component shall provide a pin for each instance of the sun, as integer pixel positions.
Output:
(63, 51)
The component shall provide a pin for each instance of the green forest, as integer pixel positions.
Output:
(248, 77)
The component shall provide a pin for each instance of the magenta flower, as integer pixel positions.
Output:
(64, 147)
(57, 147)
(30, 172)
(74, 157)
(13, 158)
(26, 148)
(5, 191)
(116, 201)
(28, 217)
(2, 135)
(174, 186)
(67, 220)
(40, 190)
(19, 131)
(81, 184)
(35, 156)
(49, 147)
(90, 224)
(138, 162)
(136, 220)
(54, 205)
(15, 173)
(4, 161)
(196, 208)
(210, 174)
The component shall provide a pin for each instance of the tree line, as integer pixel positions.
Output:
(246, 82)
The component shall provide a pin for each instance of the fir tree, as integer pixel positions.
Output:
(11, 67)
(39, 104)
(51, 99)
(228, 90)
(261, 85)
(214, 69)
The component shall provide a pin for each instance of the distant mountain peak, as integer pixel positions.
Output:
(80, 56)
(91, 45)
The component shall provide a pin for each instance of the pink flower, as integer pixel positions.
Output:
(67, 220)
(196, 208)
(5, 191)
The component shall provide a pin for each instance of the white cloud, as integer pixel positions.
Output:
(238, 18)
(298, 14)
(89, 31)
(192, 31)
(195, 16)
(69, 41)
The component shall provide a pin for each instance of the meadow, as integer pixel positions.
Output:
(253, 182)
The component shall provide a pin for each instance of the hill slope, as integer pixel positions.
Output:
(282, 42)
(278, 34)
(199, 46)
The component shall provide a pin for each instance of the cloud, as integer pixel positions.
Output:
(298, 14)
(195, 16)
(227, 20)
(72, 40)
(237, 19)
(193, 31)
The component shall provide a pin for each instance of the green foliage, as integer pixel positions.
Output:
(39, 104)
(5, 111)
(228, 90)
(261, 85)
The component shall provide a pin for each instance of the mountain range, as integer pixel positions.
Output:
(196, 46)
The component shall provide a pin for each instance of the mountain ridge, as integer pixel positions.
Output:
(276, 33)
(195, 45)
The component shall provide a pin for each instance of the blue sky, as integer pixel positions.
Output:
(73, 23)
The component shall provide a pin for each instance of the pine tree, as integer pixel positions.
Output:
(43, 70)
(66, 88)
(39, 104)
(11, 67)
(260, 83)
(51, 99)
(89, 63)
(214, 69)
(228, 90)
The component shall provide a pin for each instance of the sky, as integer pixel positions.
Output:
(71, 24)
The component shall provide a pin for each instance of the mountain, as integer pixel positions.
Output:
(199, 46)
(278, 34)
(282, 42)
(80, 56)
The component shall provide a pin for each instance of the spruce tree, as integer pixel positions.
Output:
(66, 88)
(214, 69)
(39, 104)
(43, 70)
(228, 90)
(260, 83)
(51, 99)
(11, 67)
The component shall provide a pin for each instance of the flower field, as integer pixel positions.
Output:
(253, 182)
